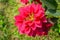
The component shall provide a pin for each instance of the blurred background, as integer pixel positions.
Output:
(8, 31)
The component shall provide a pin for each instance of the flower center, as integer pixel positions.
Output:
(30, 17)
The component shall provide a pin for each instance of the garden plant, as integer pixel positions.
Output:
(29, 19)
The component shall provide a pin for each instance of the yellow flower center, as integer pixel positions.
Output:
(30, 17)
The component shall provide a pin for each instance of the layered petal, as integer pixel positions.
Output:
(32, 21)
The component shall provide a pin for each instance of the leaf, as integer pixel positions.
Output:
(58, 2)
(51, 4)
(59, 30)
(58, 7)
(30, 1)
(3, 1)
(1, 22)
(53, 13)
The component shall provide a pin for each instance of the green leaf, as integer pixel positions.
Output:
(53, 13)
(1, 22)
(3, 1)
(51, 4)
(30, 1)
(58, 7)
(58, 2)
(59, 30)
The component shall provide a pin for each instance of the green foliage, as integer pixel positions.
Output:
(50, 4)
(3, 1)
(53, 7)
(53, 13)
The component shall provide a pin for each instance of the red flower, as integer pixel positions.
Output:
(32, 20)
(27, 1)
(24, 1)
